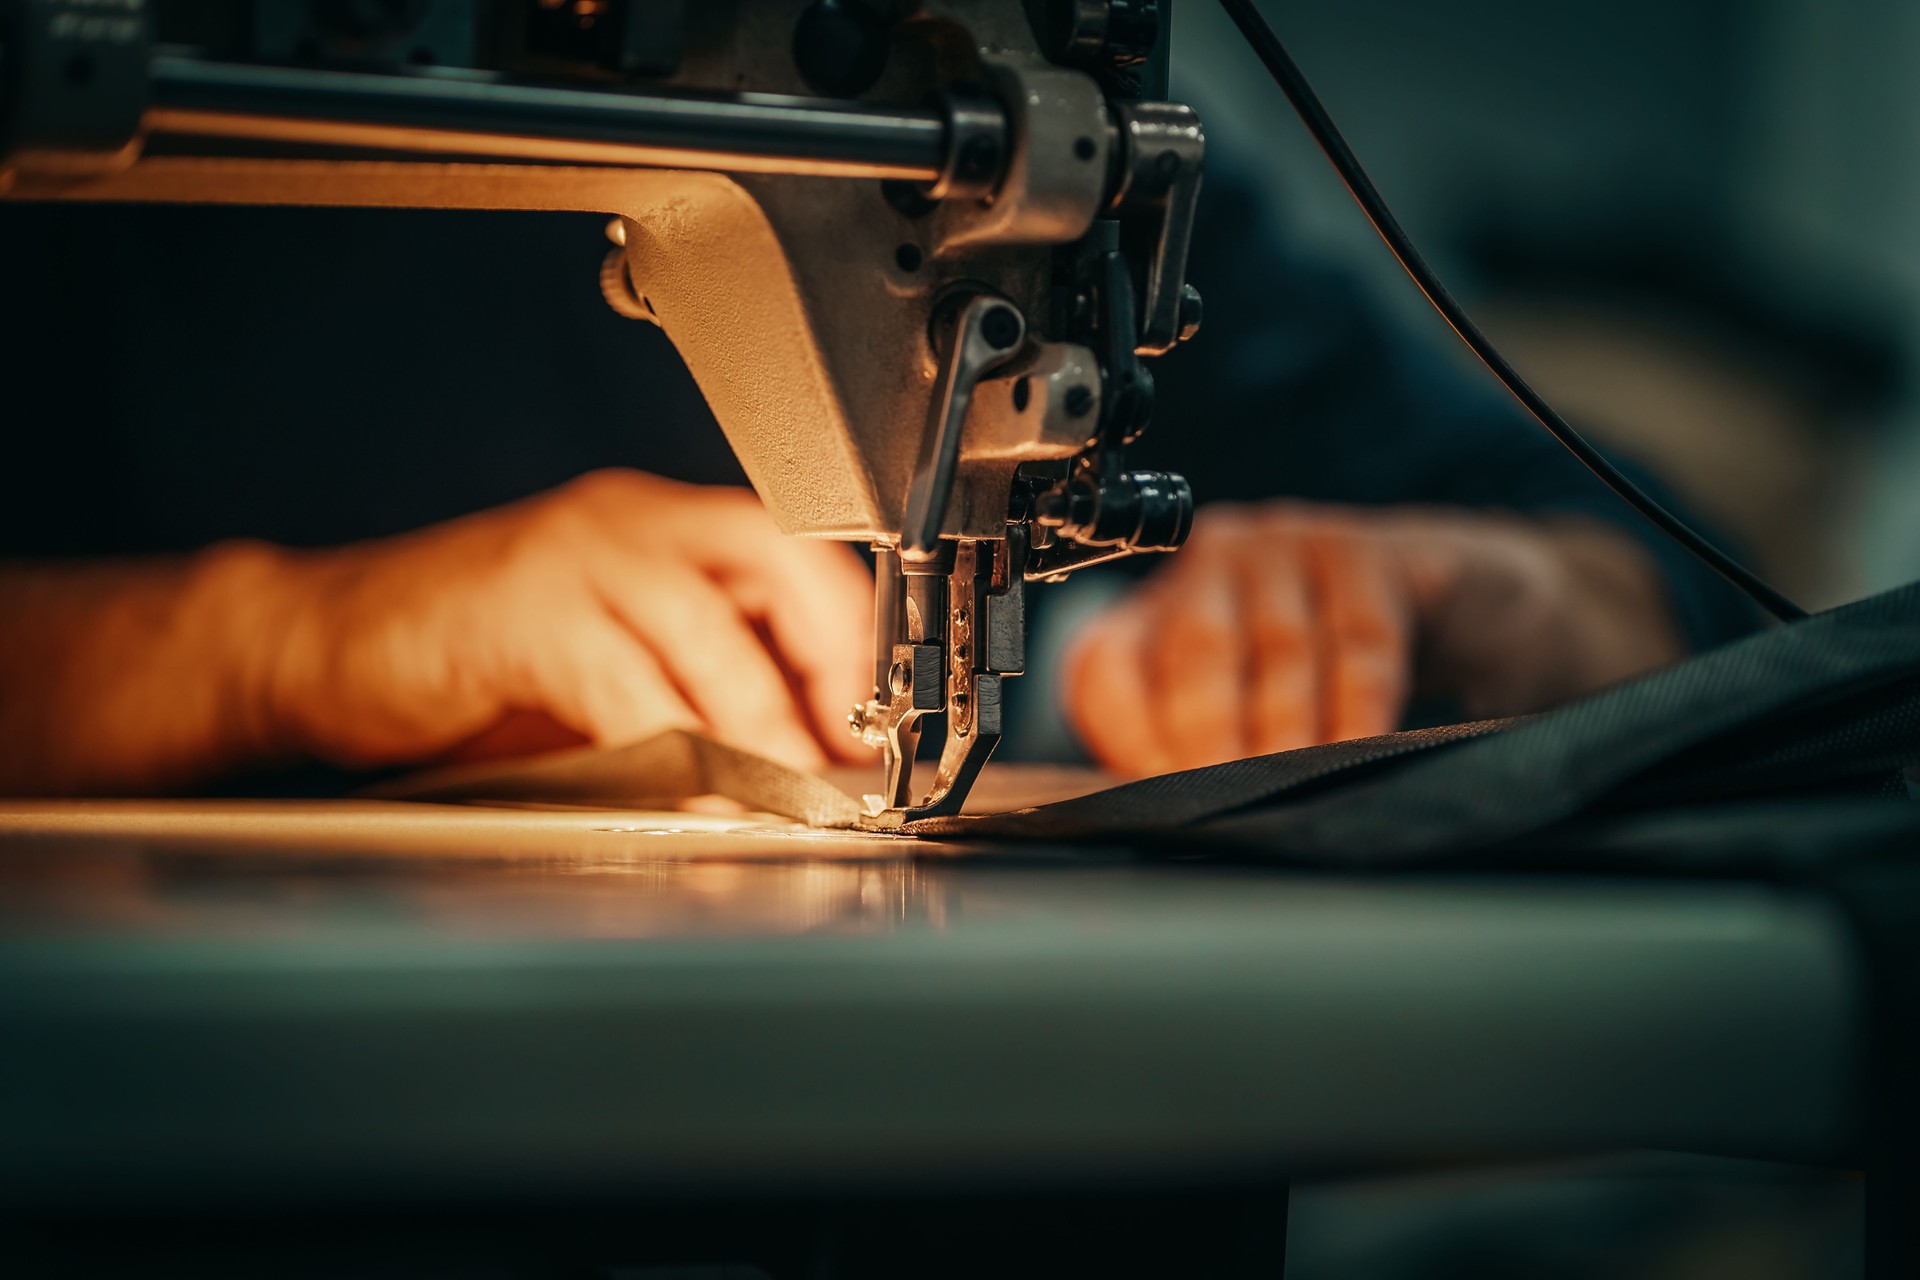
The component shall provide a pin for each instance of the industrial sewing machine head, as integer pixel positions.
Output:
(912, 250)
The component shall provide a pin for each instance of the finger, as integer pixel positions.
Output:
(820, 617)
(815, 596)
(1284, 698)
(1365, 627)
(711, 652)
(597, 679)
(1197, 661)
(1108, 697)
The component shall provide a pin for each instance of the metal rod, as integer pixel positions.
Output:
(480, 116)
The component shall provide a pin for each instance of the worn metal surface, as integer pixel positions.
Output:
(734, 133)
(785, 294)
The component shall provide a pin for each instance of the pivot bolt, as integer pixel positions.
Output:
(1191, 312)
(840, 47)
(1000, 327)
(979, 159)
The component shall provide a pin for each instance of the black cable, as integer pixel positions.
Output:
(1307, 103)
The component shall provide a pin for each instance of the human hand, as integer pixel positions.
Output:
(609, 609)
(1287, 624)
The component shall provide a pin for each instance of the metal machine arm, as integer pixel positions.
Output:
(911, 250)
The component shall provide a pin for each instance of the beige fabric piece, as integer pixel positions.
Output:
(598, 838)
(659, 772)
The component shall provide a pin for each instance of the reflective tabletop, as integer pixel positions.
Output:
(282, 998)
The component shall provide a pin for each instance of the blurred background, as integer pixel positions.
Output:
(1695, 226)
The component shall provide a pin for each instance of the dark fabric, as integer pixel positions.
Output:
(1760, 759)
(1177, 801)
(1830, 704)
(1800, 839)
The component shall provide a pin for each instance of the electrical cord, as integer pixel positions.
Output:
(1314, 115)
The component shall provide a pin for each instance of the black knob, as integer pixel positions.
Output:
(1139, 510)
(840, 47)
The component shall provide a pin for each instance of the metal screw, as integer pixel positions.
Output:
(1000, 327)
(1191, 312)
(900, 680)
(979, 158)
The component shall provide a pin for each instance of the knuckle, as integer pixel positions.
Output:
(605, 484)
(618, 494)
(570, 512)
(530, 546)
(1284, 515)
(1375, 631)
(1188, 642)
(1284, 719)
(1282, 638)
(1281, 695)
(1212, 724)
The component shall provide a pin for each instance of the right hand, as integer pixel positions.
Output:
(609, 609)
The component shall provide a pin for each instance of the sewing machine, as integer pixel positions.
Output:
(913, 251)
(914, 254)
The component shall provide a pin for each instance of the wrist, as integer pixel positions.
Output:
(256, 597)
(1539, 610)
(1624, 600)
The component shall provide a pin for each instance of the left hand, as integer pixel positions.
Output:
(1287, 624)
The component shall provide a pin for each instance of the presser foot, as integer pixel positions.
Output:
(953, 626)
